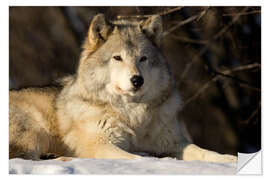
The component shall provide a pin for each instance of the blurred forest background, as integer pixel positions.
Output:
(214, 53)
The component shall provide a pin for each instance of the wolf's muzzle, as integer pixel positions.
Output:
(137, 81)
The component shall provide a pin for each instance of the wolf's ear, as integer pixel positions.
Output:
(99, 30)
(153, 29)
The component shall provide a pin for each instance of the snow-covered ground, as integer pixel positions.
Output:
(145, 165)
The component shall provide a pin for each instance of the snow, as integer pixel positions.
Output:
(146, 165)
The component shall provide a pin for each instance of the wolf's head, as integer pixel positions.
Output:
(123, 59)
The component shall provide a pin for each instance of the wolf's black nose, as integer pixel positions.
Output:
(137, 81)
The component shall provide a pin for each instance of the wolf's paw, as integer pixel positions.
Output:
(63, 158)
(192, 152)
(228, 158)
(222, 158)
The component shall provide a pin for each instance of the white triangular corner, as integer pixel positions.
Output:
(249, 163)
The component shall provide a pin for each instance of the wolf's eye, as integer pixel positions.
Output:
(144, 58)
(117, 58)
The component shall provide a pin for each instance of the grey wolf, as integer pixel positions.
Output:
(122, 100)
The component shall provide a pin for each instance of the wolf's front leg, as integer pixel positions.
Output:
(105, 151)
(102, 151)
(192, 152)
(95, 145)
(110, 151)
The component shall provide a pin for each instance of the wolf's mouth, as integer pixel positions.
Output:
(119, 89)
(133, 91)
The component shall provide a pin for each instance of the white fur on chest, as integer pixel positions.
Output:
(142, 126)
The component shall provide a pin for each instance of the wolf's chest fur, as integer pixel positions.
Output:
(140, 127)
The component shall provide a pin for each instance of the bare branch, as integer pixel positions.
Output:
(216, 78)
(250, 87)
(242, 68)
(149, 15)
(186, 21)
(241, 82)
(203, 50)
(223, 30)
(252, 115)
(200, 91)
(242, 14)
(171, 11)
(188, 40)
